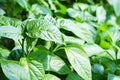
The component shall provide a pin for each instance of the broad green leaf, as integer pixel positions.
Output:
(23, 70)
(7, 21)
(23, 3)
(82, 30)
(50, 61)
(73, 40)
(10, 32)
(93, 49)
(13, 70)
(79, 61)
(101, 14)
(37, 10)
(116, 6)
(43, 29)
(73, 76)
(84, 16)
(50, 77)
(98, 69)
(113, 77)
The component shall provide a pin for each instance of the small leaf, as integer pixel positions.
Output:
(50, 77)
(79, 61)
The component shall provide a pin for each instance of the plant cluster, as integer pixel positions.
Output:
(59, 40)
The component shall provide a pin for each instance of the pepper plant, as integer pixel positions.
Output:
(59, 40)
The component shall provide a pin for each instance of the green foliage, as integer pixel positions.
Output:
(59, 40)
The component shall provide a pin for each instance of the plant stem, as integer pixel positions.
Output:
(23, 41)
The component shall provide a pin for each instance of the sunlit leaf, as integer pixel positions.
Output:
(7, 21)
(101, 14)
(25, 69)
(79, 61)
(82, 30)
(43, 29)
(11, 32)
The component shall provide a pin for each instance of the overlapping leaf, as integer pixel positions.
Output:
(79, 61)
(41, 28)
(50, 61)
(23, 70)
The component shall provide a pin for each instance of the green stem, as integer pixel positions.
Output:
(23, 41)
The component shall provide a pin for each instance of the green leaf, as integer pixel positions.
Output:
(43, 29)
(2, 12)
(113, 77)
(114, 33)
(93, 49)
(101, 14)
(84, 16)
(81, 6)
(50, 61)
(109, 64)
(116, 6)
(23, 70)
(30, 43)
(50, 77)
(4, 52)
(37, 10)
(23, 3)
(73, 40)
(79, 61)
(73, 76)
(16, 53)
(7, 21)
(81, 30)
(10, 32)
